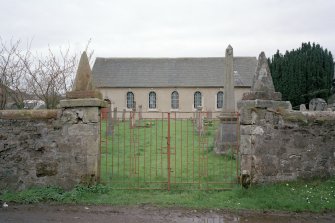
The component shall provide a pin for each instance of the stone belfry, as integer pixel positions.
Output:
(229, 95)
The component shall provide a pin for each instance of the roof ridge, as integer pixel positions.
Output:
(169, 58)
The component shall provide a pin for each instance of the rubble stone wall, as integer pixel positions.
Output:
(278, 144)
(49, 147)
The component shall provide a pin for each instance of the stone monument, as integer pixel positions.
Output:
(302, 107)
(229, 94)
(226, 138)
(317, 104)
(109, 127)
(124, 115)
(140, 112)
(199, 122)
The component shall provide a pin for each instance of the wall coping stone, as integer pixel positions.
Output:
(259, 103)
(82, 102)
(30, 114)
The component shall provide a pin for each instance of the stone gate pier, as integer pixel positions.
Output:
(279, 144)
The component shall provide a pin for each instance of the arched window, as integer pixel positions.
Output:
(197, 99)
(219, 100)
(130, 100)
(152, 100)
(175, 100)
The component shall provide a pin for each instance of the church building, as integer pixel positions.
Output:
(170, 84)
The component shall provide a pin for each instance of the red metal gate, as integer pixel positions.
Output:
(166, 151)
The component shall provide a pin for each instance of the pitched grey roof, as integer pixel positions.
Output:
(170, 72)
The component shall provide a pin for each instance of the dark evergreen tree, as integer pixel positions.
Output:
(303, 74)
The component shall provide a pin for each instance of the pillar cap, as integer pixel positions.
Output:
(83, 102)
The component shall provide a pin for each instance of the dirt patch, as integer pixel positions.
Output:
(139, 214)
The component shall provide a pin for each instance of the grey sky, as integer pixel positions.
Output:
(170, 28)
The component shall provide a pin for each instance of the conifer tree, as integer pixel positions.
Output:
(303, 74)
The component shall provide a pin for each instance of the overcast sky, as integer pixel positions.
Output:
(170, 28)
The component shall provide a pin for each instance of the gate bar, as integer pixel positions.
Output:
(168, 152)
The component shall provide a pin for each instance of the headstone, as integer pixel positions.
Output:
(331, 100)
(140, 112)
(114, 117)
(317, 104)
(229, 94)
(209, 114)
(132, 119)
(199, 121)
(83, 86)
(302, 107)
(132, 116)
(227, 135)
(124, 115)
(262, 84)
(109, 120)
(112, 120)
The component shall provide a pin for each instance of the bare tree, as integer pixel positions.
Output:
(28, 75)
(50, 76)
(12, 71)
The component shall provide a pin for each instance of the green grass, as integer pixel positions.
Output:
(137, 157)
(298, 196)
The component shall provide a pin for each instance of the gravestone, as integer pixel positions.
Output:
(209, 115)
(302, 107)
(199, 124)
(140, 112)
(115, 116)
(109, 120)
(112, 120)
(133, 116)
(317, 104)
(229, 94)
(124, 115)
(226, 137)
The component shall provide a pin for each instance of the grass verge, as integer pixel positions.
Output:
(298, 196)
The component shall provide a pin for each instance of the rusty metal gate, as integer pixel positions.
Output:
(166, 151)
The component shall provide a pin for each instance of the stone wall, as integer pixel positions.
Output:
(50, 147)
(278, 144)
